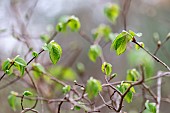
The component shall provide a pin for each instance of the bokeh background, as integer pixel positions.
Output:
(32, 18)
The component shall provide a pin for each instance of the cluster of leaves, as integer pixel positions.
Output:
(18, 63)
(68, 21)
(93, 86)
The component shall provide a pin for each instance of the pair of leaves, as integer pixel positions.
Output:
(93, 87)
(121, 41)
(94, 52)
(106, 68)
(132, 75)
(123, 87)
(150, 107)
(112, 11)
(68, 21)
(18, 63)
(55, 51)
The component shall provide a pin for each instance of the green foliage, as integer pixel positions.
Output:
(93, 87)
(132, 75)
(94, 52)
(66, 89)
(123, 87)
(68, 21)
(20, 64)
(139, 57)
(150, 107)
(106, 68)
(122, 39)
(112, 12)
(34, 54)
(120, 43)
(12, 101)
(55, 51)
(103, 31)
(27, 93)
(5, 67)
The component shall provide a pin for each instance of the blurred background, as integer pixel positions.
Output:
(29, 19)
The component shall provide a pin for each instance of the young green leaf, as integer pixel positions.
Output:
(120, 43)
(93, 87)
(55, 51)
(74, 23)
(34, 54)
(66, 89)
(132, 75)
(123, 87)
(5, 67)
(61, 27)
(102, 31)
(12, 101)
(111, 11)
(94, 52)
(68, 21)
(27, 93)
(20, 64)
(106, 68)
(18, 60)
(150, 107)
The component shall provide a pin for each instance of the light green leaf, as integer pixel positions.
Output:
(93, 87)
(102, 31)
(150, 107)
(18, 60)
(123, 87)
(132, 75)
(12, 101)
(106, 68)
(120, 43)
(34, 54)
(94, 52)
(68, 21)
(27, 93)
(111, 11)
(55, 51)
(61, 27)
(74, 23)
